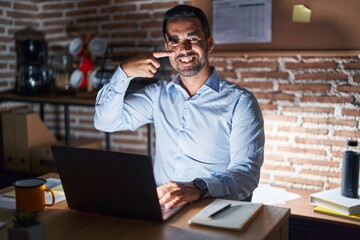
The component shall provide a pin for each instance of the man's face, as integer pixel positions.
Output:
(187, 39)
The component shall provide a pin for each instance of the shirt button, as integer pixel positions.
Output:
(179, 175)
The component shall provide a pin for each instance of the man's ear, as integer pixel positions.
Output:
(210, 44)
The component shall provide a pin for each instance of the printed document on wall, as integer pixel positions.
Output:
(241, 21)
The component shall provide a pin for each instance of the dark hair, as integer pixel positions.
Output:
(185, 11)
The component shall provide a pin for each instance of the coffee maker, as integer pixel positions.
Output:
(32, 75)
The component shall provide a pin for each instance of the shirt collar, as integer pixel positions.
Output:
(213, 81)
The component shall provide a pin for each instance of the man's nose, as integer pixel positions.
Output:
(186, 45)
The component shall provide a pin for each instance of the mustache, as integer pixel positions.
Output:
(189, 54)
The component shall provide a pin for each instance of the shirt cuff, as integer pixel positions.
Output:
(120, 81)
(216, 188)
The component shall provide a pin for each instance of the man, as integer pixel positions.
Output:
(209, 132)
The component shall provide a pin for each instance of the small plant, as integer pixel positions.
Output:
(25, 219)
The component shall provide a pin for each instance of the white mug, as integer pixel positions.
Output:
(76, 46)
(97, 46)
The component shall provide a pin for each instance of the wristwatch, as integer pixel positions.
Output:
(202, 186)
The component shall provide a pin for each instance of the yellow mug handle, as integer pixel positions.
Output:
(53, 197)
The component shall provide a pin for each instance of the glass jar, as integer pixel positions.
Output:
(62, 66)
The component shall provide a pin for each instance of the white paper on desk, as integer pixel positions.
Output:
(51, 183)
(267, 194)
(241, 21)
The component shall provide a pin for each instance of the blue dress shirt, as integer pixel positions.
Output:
(216, 135)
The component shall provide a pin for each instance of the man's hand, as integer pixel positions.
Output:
(173, 194)
(144, 65)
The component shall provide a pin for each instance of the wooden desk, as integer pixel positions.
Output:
(64, 223)
(302, 208)
(305, 224)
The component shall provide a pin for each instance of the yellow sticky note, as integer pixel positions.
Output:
(301, 13)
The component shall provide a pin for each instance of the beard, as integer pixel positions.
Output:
(192, 67)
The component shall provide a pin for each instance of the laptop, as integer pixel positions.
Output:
(110, 183)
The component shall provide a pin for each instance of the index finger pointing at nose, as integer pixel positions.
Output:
(162, 54)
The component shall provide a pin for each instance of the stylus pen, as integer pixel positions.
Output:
(220, 211)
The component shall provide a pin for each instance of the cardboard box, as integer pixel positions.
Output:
(8, 139)
(42, 160)
(8, 135)
(30, 131)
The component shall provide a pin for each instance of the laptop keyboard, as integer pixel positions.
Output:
(165, 210)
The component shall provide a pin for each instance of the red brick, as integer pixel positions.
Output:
(25, 6)
(119, 26)
(127, 1)
(311, 65)
(352, 65)
(348, 134)
(133, 34)
(268, 166)
(156, 34)
(58, 22)
(305, 87)
(21, 23)
(259, 64)
(120, 9)
(304, 130)
(317, 142)
(158, 5)
(132, 16)
(257, 85)
(152, 24)
(268, 106)
(348, 88)
(277, 137)
(5, 4)
(277, 75)
(218, 63)
(58, 5)
(306, 181)
(97, 19)
(306, 161)
(93, 3)
(332, 121)
(5, 21)
(275, 157)
(79, 13)
(7, 75)
(280, 118)
(327, 99)
(302, 150)
(227, 74)
(308, 109)
(357, 78)
(325, 173)
(321, 76)
(276, 96)
(53, 31)
(21, 15)
(268, 128)
(350, 112)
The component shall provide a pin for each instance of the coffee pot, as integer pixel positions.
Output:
(32, 75)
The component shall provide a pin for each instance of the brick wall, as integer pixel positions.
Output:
(310, 101)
